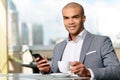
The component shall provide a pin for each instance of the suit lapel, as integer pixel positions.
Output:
(62, 48)
(85, 47)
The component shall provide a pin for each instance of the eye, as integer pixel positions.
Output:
(65, 17)
(76, 16)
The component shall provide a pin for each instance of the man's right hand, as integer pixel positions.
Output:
(43, 65)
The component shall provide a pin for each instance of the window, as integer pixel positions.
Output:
(39, 22)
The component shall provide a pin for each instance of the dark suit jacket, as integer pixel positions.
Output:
(97, 53)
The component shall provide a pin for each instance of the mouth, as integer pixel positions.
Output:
(72, 27)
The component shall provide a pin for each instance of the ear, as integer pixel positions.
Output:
(83, 18)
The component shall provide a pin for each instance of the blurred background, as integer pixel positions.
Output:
(37, 25)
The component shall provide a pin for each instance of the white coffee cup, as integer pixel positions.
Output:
(64, 66)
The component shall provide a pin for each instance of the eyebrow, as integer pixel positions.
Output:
(75, 16)
(72, 16)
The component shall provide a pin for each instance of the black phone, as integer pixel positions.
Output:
(35, 55)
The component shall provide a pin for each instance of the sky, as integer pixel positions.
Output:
(101, 15)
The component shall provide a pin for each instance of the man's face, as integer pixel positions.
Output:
(73, 20)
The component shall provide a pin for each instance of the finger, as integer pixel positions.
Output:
(46, 59)
(78, 71)
(45, 68)
(45, 64)
(78, 68)
(36, 59)
(75, 63)
(43, 61)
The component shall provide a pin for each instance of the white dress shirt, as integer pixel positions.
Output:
(72, 50)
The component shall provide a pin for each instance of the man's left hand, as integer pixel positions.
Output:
(79, 69)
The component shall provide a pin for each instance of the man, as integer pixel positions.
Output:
(90, 55)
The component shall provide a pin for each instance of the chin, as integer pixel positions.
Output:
(73, 33)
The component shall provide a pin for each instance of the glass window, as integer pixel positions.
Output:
(38, 23)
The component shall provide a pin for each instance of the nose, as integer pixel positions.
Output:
(71, 21)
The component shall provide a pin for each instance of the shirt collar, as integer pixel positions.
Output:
(81, 35)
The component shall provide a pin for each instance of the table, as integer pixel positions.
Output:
(21, 76)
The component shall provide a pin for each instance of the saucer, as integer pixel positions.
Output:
(61, 75)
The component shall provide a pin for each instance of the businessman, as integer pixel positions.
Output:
(90, 55)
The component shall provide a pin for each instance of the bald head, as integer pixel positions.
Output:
(74, 5)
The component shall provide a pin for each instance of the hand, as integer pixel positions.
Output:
(43, 65)
(79, 69)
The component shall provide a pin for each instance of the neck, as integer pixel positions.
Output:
(73, 36)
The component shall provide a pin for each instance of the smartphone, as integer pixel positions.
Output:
(35, 55)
